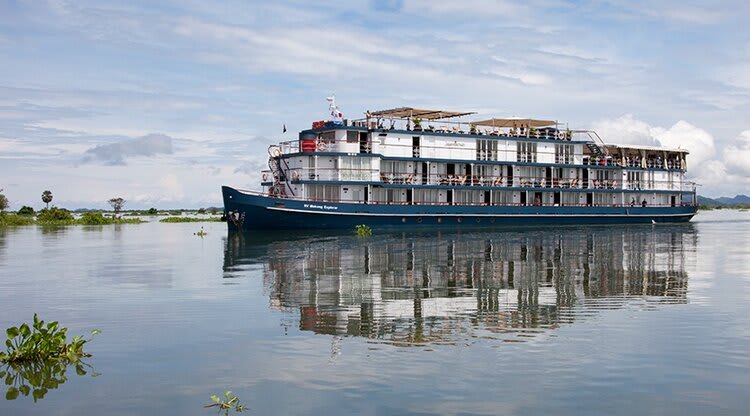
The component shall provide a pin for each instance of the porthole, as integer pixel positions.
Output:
(439, 220)
(419, 220)
(479, 220)
(492, 220)
(458, 220)
(403, 219)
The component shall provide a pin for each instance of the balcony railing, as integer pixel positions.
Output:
(452, 180)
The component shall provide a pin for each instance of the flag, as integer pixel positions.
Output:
(284, 129)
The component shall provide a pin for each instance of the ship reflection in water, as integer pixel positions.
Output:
(438, 288)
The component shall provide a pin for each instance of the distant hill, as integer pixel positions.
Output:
(724, 201)
(739, 199)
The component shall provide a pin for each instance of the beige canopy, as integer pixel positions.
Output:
(514, 122)
(409, 112)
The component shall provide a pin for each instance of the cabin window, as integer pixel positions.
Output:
(426, 196)
(526, 152)
(324, 192)
(326, 140)
(352, 136)
(564, 153)
(634, 180)
(355, 168)
(486, 149)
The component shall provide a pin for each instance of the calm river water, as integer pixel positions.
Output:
(567, 321)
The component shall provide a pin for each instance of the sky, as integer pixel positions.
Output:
(163, 102)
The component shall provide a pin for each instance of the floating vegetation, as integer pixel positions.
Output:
(190, 219)
(226, 403)
(363, 231)
(42, 342)
(37, 358)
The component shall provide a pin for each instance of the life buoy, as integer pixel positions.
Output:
(265, 177)
(295, 175)
(321, 146)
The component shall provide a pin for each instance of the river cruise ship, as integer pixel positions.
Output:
(412, 167)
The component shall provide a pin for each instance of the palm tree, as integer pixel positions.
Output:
(47, 197)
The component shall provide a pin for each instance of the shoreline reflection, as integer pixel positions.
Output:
(438, 288)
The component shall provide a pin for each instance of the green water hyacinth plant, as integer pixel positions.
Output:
(226, 403)
(37, 358)
(41, 342)
(363, 231)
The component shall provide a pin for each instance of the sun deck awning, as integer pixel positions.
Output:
(514, 122)
(409, 112)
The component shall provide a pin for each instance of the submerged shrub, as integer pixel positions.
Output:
(9, 220)
(190, 219)
(26, 210)
(55, 215)
(94, 218)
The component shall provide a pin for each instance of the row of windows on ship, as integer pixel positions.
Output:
(467, 174)
(528, 152)
(336, 193)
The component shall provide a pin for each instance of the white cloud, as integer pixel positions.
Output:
(717, 177)
(737, 155)
(625, 130)
(475, 8)
(171, 187)
(526, 77)
(736, 74)
(683, 135)
(117, 153)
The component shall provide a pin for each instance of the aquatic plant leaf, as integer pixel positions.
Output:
(11, 394)
(12, 332)
(39, 393)
(25, 331)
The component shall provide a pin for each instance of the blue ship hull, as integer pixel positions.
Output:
(253, 212)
